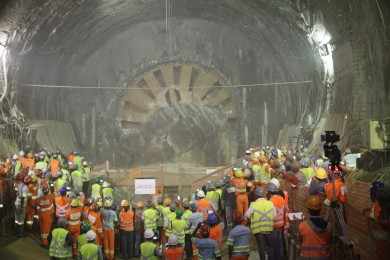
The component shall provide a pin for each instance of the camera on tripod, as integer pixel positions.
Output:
(331, 150)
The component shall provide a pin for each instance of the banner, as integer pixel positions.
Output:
(145, 186)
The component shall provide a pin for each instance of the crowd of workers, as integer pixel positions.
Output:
(79, 219)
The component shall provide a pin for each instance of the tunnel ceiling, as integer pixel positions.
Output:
(152, 44)
(58, 27)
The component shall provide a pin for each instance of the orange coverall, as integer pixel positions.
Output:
(45, 213)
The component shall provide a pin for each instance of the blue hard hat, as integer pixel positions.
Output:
(212, 218)
(63, 191)
(259, 192)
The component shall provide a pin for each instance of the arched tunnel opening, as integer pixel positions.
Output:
(142, 85)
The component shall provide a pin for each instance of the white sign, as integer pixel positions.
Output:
(145, 186)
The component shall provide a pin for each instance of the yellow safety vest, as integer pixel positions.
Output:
(262, 216)
(178, 229)
(150, 219)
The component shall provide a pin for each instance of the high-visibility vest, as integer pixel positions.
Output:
(281, 220)
(89, 251)
(203, 206)
(314, 244)
(85, 173)
(77, 180)
(54, 166)
(186, 217)
(74, 218)
(45, 204)
(28, 163)
(108, 193)
(262, 216)
(77, 160)
(336, 191)
(60, 182)
(41, 165)
(58, 246)
(308, 173)
(148, 250)
(62, 207)
(81, 240)
(214, 198)
(95, 220)
(165, 212)
(96, 191)
(258, 171)
(178, 228)
(126, 220)
(171, 217)
(150, 218)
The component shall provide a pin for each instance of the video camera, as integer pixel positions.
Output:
(331, 150)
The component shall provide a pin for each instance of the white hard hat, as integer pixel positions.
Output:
(149, 234)
(106, 184)
(275, 182)
(21, 153)
(14, 157)
(200, 194)
(91, 235)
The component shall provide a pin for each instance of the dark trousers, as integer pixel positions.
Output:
(265, 243)
(278, 244)
(137, 243)
(127, 240)
(86, 188)
(188, 246)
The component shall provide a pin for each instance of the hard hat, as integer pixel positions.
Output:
(259, 192)
(248, 152)
(14, 157)
(237, 172)
(140, 204)
(62, 191)
(106, 184)
(172, 241)
(200, 194)
(124, 203)
(272, 187)
(85, 163)
(249, 184)
(275, 182)
(314, 202)
(75, 203)
(91, 235)
(212, 218)
(149, 234)
(21, 153)
(167, 202)
(321, 174)
(179, 213)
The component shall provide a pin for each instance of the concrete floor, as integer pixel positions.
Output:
(23, 249)
(28, 249)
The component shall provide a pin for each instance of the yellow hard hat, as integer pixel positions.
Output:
(314, 202)
(321, 174)
(124, 203)
(167, 202)
(140, 204)
(237, 172)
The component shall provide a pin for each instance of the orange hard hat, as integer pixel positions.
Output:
(314, 202)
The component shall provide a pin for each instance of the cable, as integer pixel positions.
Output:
(270, 84)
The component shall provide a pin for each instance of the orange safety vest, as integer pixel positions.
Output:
(314, 244)
(32, 193)
(239, 184)
(28, 163)
(203, 206)
(46, 204)
(281, 219)
(174, 253)
(54, 166)
(126, 220)
(74, 218)
(95, 220)
(62, 207)
(336, 191)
